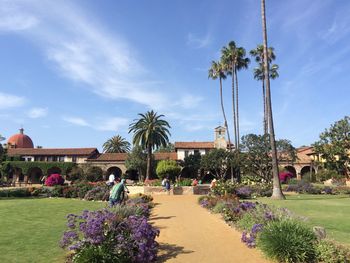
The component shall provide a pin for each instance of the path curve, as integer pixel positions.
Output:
(189, 233)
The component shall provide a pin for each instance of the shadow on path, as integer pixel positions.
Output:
(160, 217)
(168, 251)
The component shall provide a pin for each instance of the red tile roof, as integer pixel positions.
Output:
(166, 156)
(52, 151)
(194, 145)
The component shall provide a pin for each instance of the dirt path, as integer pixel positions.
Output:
(189, 233)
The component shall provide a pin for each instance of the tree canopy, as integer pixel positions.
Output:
(116, 144)
(334, 146)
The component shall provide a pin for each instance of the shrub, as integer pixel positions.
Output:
(17, 192)
(54, 179)
(75, 174)
(94, 174)
(341, 190)
(330, 252)
(97, 193)
(244, 192)
(184, 182)
(324, 175)
(168, 168)
(219, 207)
(104, 236)
(223, 187)
(288, 241)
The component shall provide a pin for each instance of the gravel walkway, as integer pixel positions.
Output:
(189, 233)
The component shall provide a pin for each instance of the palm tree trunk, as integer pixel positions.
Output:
(237, 111)
(265, 109)
(223, 113)
(277, 191)
(149, 162)
(233, 104)
(226, 126)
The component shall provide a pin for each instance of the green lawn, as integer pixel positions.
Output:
(30, 229)
(329, 211)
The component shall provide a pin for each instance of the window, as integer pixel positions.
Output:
(196, 151)
(54, 158)
(37, 158)
(29, 159)
(61, 158)
(49, 158)
(186, 154)
(74, 159)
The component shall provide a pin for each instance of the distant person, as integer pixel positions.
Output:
(212, 184)
(163, 183)
(43, 179)
(117, 194)
(194, 182)
(111, 180)
(167, 185)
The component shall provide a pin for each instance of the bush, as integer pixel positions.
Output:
(223, 187)
(94, 174)
(288, 241)
(54, 179)
(17, 192)
(244, 192)
(219, 207)
(184, 182)
(97, 193)
(105, 236)
(330, 252)
(75, 174)
(324, 175)
(168, 168)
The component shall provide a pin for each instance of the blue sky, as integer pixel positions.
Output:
(75, 73)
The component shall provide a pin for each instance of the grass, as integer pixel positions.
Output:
(329, 211)
(30, 229)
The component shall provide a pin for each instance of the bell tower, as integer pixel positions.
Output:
(219, 137)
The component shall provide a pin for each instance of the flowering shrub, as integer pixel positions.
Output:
(250, 238)
(244, 192)
(285, 176)
(329, 252)
(223, 187)
(54, 179)
(106, 236)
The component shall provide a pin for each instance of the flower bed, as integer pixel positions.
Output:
(120, 234)
(280, 234)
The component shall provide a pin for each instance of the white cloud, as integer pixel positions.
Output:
(100, 124)
(188, 101)
(198, 42)
(35, 113)
(18, 20)
(76, 121)
(112, 124)
(10, 101)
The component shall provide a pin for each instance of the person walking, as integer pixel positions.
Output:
(111, 180)
(117, 194)
(167, 185)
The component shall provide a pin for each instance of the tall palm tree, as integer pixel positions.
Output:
(258, 54)
(217, 70)
(277, 191)
(150, 131)
(234, 58)
(116, 144)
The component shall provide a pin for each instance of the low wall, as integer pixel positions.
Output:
(178, 190)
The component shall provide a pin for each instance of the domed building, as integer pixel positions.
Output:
(20, 140)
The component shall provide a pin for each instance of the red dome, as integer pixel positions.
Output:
(20, 140)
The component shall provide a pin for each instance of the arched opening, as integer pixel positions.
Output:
(54, 170)
(114, 170)
(292, 170)
(308, 173)
(35, 174)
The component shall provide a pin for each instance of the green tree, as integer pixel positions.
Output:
(258, 54)
(137, 160)
(334, 146)
(170, 147)
(218, 162)
(116, 144)
(168, 168)
(234, 59)
(150, 131)
(257, 155)
(193, 163)
(277, 190)
(217, 70)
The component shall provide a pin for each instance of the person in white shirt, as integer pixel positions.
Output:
(111, 180)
